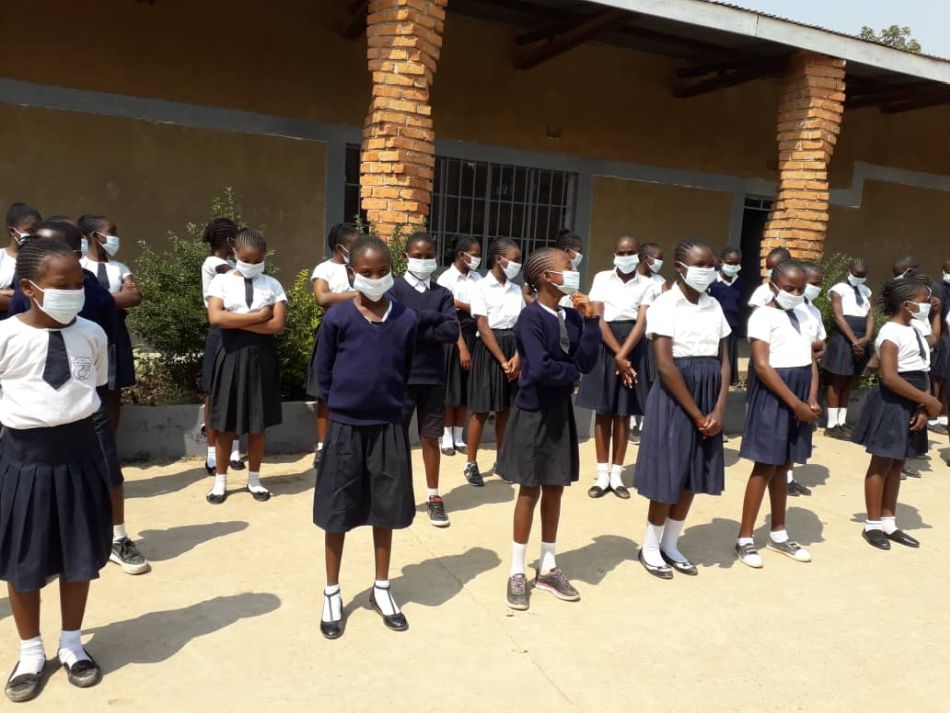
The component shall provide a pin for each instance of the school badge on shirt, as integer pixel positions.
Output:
(82, 367)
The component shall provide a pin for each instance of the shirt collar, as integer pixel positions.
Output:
(547, 309)
(615, 276)
(493, 282)
(415, 283)
(704, 298)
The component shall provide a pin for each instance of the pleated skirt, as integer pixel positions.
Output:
(124, 358)
(838, 358)
(883, 427)
(644, 364)
(312, 387)
(772, 434)
(673, 456)
(602, 390)
(732, 350)
(489, 390)
(456, 378)
(940, 360)
(540, 447)
(212, 345)
(55, 511)
(245, 386)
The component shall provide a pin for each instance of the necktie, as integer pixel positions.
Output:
(102, 275)
(562, 330)
(793, 318)
(56, 371)
(858, 297)
(920, 344)
(248, 292)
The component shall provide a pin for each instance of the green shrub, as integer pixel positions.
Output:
(295, 344)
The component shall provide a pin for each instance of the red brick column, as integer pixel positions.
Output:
(404, 39)
(811, 105)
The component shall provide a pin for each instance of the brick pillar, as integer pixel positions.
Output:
(811, 105)
(404, 39)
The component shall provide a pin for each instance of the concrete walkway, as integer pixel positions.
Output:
(228, 617)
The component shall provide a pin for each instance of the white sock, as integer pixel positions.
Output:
(547, 563)
(651, 545)
(832, 418)
(517, 558)
(842, 416)
(384, 598)
(457, 436)
(942, 420)
(779, 536)
(254, 482)
(872, 525)
(212, 456)
(640, 420)
(236, 450)
(889, 524)
(603, 475)
(320, 446)
(220, 486)
(790, 476)
(671, 534)
(633, 422)
(70, 647)
(616, 473)
(332, 603)
(746, 541)
(118, 532)
(32, 656)
(433, 493)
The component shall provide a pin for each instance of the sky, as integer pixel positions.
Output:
(929, 20)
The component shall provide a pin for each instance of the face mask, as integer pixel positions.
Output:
(577, 260)
(856, 281)
(571, 281)
(768, 274)
(512, 269)
(20, 238)
(657, 265)
(421, 268)
(83, 246)
(473, 262)
(626, 263)
(111, 245)
(61, 305)
(373, 289)
(250, 271)
(699, 278)
(812, 291)
(730, 270)
(787, 301)
(346, 255)
(923, 311)
(946, 277)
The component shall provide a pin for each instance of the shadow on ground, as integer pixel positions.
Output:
(4, 608)
(812, 475)
(466, 497)
(595, 560)
(163, 545)
(908, 518)
(165, 484)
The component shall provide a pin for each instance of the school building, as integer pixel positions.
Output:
(663, 119)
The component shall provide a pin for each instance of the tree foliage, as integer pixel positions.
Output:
(896, 36)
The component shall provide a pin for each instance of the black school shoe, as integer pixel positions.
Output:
(209, 469)
(331, 629)
(237, 464)
(595, 491)
(472, 475)
(24, 687)
(216, 499)
(621, 492)
(396, 622)
(795, 488)
(682, 566)
(902, 538)
(663, 571)
(876, 538)
(84, 674)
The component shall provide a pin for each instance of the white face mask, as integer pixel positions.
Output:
(699, 278)
(83, 246)
(421, 268)
(20, 237)
(571, 281)
(923, 311)
(768, 274)
(626, 263)
(730, 270)
(946, 277)
(577, 259)
(812, 292)
(373, 289)
(346, 255)
(249, 270)
(511, 269)
(856, 281)
(656, 265)
(786, 300)
(473, 263)
(111, 245)
(61, 305)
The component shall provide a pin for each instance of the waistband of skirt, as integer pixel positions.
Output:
(695, 360)
(54, 444)
(623, 321)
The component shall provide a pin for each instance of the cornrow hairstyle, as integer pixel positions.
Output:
(498, 247)
(811, 268)
(64, 231)
(681, 251)
(788, 266)
(339, 233)
(19, 213)
(250, 238)
(89, 224)
(539, 262)
(898, 290)
(218, 232)
(369, 243)
(648, 250)
(462, 244)
(568, 241)
(778, 253)
(30, 258)
(420, 237)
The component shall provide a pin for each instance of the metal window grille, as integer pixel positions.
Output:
(758, 203)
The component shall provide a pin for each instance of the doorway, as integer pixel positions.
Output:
(754, 216)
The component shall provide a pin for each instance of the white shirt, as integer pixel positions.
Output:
(500, 303)
(908, 346)
(26, 401)
(849, 304)
(209, 271)
(7, 269)
(229, 287)
(334, 274)
(816, 325)
(659, 281)
(696, 329)
(415, 283)
(787, 347)
(762, 296)
(459, 285)
(622, 299)
(116, 272)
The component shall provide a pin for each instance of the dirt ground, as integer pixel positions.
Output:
(229, 615)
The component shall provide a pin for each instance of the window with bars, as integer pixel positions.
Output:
(487, 200)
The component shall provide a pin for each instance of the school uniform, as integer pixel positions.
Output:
(772, 434)
(855, 305)
(365, 473)
(761, 295)
(456, 378)
(111, 275)
(338, 280)
(884, 425)
(245, 381)
(7, 269)
(940, 363)
(437, 328)
(55, 511)
(556, 347)
(213, 341)
(602, 390)
(673, 455)
(729, 296)
(488, 388)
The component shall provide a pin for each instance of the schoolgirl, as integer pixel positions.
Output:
(55, 515)
(22, 221)
(331, 285)
(219, 234)
(573, 247)
(847, 353)
(649, 264)
(249, 308)
(782, 405)
(496, 303)
(727, 290)
(437, 329)
(459, 279)
(540, 451)
(762, 294)
(940, 369)
(364, 360)
(893, 424)
(621, 297)
(681, 450)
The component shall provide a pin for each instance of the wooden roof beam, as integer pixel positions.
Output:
(769, 68)
(572, 37)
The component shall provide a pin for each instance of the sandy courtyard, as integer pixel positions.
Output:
(229, 615)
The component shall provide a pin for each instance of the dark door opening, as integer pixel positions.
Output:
(754, 217)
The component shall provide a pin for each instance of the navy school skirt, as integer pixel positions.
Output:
(732, 350)
(883, 427)
(940, 359)
(602, 390)
(364, 478)
(124, 358)
(540, 447)
(55, 511)
(772, 434)
(673, 456)
(212, 345)
(312, 387)
(456, 378)
(838, 358)
(245, 385)
(489, 390)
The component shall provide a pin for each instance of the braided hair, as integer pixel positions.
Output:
(649, 250)
(20, 213)
(898, 290)
(786, 267)
(498, 248)
(62, 230)
(369, 243)
(219, 232)
(32, 256)
(540, 261)
(683, 247)
(857, 263)
(89, 224)
(566, 240)
(339, 233)
(250, 238)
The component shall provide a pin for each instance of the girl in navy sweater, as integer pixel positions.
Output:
(540, 452)
(727, 291)
(364, 361)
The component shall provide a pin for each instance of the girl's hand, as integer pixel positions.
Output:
(815, 407)
(712, 424)
(465, 359)
(625, 371)
(918, 422)
(933, 407)
(804, 413)
(266, 313)
(700, 423)
(582, 304)
(515, 371)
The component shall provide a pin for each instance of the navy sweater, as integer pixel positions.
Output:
(548, 374)
(438, 326)
(729, 298)
(364, 368)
